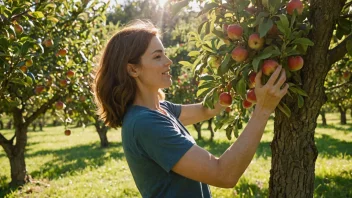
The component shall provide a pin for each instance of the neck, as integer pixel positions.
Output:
(147, 98)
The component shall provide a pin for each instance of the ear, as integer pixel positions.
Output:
(132, 70)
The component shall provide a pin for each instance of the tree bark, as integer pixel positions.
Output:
(323, 117)
(343, 119)
(198, 128)
(210, 128)
(102, 131)
(293, 147)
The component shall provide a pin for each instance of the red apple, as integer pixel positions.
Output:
(294, 5)
(61, 52)
(269, 66)
(255, 42)
(225, 99)
(63, 82)
(273, 30)
(346, 75)
(251, 97)
(251, 10)
(246, 104)
(67, 132)
(251, 78)
(234, 32)
(228, 109)
(18, 29)
(59, 105)
(23, 68)
(48, 43)
(70, 74)
(295, 63)
(239, 54)
(29, 62)
(39, 89)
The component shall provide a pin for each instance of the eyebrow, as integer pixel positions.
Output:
(159, 51)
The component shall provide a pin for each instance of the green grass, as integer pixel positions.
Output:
(75, 166)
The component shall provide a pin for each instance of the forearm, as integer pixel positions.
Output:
(237, 157)
(209, 113)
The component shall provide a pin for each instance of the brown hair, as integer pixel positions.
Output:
(114, 89)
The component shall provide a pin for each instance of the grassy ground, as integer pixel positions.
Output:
(75, 166)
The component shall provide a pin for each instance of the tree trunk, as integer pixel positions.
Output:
(1, 125)
(293, 148)
(102, 131)
(198, 128)
(342, 111)
(323, 117)
(210, 128)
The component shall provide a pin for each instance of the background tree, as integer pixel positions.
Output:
(42, 42)
(252, 35)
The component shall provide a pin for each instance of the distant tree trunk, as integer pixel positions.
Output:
(210, 128)
(198, 128)
(34, 126)
(102, 131)
(294, 152)
(323, 117)
(1, 125)
(15, 153)
(9, 124)
(343, 119)
(79, 123)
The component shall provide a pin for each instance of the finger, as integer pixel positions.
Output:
(281, 80)
(284, 90)
(274, 76)
(258, 79)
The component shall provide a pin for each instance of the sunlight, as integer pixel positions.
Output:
(162, 3)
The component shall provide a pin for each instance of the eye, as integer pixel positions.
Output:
(157, 57)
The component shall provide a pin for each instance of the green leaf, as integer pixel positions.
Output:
(265, 27)
(241, 88)
(178, 6)
(38, 14)
(206, 84)
(349, 47)
(202, 92)
(284, 108)
(298, 91)
(229, 132)
(194, 53)
(300, 101)
(303, 41)
(25, 47)
(225, 66)
(53, 19)
(207, 77)
(207, 7)
(185, 63)
(283, 25)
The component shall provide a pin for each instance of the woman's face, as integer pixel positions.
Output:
(155, 66)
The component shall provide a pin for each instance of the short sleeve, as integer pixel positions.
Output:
(173, 108)
(161, 140)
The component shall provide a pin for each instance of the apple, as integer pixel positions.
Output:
(228, 109)
(295, 63)
(251, 78)
(18, 29)
(63, 82)
(255, 42)
(239, 54)
(225, 99)
(294, 5)
(39, 89)
(251, 9)
(29, 62)
(234, 32)
(273, 30)
(82, 98)
(70, 74)
(251, 97)
(48, 43)
(269, 66)
(23, 68)
(346, 75)
(246, 104)
(67, 132)
(59, 105)
(61, 52)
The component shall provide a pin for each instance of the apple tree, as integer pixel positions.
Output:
(45, 48)
(251, 35)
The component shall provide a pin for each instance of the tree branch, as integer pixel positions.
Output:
(3, 140)
(346, 16)
(338, 52)
(339, 86)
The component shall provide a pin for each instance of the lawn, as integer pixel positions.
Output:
(75, 166)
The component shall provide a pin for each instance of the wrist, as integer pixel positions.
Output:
(261, 113)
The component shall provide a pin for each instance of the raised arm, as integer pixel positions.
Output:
(194, 113)
(225, 171)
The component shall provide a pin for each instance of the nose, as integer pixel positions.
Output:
(168, 61)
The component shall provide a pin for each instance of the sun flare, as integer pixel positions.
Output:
(162, 3)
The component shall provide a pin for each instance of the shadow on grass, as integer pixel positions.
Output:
(330, 147)
(333, 186)
(218, 148)
(344, 128)
(74, 159)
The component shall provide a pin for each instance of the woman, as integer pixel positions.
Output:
(163, 157)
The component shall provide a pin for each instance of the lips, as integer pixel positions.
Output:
(166, 73)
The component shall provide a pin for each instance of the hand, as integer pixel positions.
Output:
(269, 95)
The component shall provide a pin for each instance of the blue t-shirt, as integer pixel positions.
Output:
(153, 143)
